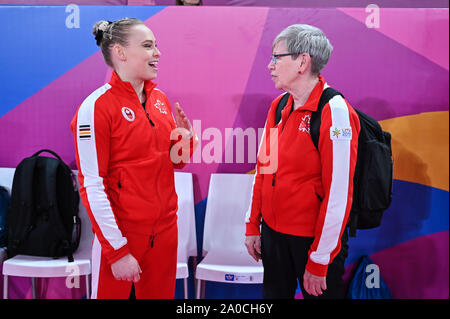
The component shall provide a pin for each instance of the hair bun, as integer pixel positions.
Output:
(99, 29)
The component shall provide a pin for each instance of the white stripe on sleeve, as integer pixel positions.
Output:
(337, 202)
(96, 260)
(95, 190)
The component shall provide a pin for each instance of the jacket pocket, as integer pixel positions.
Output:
(138, 195)
(319, 192)
(120, 183)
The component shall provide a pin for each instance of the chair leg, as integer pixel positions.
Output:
(199, 288)
(5, 287)
(185, 286)
(203, 292)
(88, 287)
(33, 287)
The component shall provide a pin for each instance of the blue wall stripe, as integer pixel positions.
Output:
(30, 35)
(416, 210)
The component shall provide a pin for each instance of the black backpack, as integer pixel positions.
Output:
(43, 216)
(372, 182)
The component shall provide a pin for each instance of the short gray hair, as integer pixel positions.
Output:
(303, 38)
(108, 33)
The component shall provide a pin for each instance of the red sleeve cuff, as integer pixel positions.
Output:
(252, 230)
(117, 254)
(316, 269)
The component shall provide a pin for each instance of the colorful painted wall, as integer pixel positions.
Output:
(214, 62)
(250, 3)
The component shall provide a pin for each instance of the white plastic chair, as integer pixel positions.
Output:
(187, 243)
(227, 259)
(2, 254)
(6, 177)
(45, 267)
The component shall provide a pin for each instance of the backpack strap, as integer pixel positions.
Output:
(20, 212)
(315, 122)
(316, 117)
(51, 203)
(280, 107)
(48, 151)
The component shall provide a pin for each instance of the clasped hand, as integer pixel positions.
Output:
(126, 268)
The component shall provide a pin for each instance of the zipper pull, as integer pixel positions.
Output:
(152, 236)
(273, 179)
(148, 116)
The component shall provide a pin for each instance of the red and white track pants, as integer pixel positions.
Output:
(158, 265)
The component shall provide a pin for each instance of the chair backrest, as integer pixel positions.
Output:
(87, 235)
(187, 239)
(6, 177)
(229, 197)
(6, 180)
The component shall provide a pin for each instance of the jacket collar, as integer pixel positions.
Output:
(126, 89)
(313, 100)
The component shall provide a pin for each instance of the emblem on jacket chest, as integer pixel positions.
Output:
(161, 107)
(304, 124)
(128, 114)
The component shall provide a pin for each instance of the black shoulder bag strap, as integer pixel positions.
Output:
(316, 117)
(280, 107)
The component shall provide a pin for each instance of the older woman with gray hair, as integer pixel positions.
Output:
(302, 196)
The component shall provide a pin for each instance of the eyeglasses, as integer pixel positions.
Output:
(274, 57)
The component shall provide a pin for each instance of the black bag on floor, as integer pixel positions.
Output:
(43, 216)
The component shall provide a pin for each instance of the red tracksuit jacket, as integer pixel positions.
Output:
(125, 171)
(307, 192)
